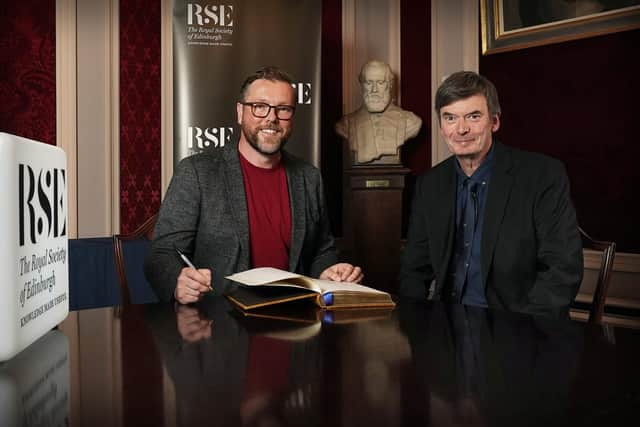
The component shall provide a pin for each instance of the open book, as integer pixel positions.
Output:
(265, 286)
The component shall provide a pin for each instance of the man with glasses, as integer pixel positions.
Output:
(491, 226)
(249, 205)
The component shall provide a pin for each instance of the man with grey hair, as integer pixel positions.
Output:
(491, 226)
(378, 128)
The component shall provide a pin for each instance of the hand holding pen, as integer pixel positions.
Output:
(192, 282)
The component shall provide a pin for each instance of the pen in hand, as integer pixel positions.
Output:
(186, 260)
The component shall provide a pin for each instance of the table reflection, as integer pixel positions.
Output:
(34, 385)
(482, 367)
(420, 364)
(442, 365)
(219, 368)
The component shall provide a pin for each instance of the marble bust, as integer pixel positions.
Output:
(378, 128)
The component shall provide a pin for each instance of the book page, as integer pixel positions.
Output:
(274, 277)
(331, 286)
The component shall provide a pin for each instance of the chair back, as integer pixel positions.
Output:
(144, 232)
(608, 250)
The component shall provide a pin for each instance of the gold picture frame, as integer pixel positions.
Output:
(518, 24)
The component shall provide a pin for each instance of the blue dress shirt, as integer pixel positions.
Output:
(472, 291)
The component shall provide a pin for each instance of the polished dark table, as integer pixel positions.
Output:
(421, 364)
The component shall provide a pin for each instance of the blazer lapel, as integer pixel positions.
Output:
(234, 188)
(295, 181)
(445, 216)
(499, 191)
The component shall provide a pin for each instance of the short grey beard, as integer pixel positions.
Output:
(378, 104)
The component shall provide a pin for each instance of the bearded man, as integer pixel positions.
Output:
(248, 205)
(377, 129)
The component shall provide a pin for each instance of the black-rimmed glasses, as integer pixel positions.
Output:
(262, 110)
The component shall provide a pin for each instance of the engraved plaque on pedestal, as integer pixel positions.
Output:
(372, 222)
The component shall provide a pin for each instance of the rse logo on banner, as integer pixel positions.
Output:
(199, 138)
(203, 138)
(43, 214)
(215, 15)
(303, 92)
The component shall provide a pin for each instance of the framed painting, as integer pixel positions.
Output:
(517, 24)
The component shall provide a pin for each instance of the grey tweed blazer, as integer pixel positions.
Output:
(204, 214)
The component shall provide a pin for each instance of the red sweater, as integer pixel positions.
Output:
(269, 215)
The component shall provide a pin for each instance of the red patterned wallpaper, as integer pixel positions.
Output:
(140, 120)
(27, 69)
(140, 153)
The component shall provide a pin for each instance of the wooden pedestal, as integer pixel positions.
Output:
(372, 222)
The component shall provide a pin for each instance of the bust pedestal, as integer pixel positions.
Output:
(372, 221)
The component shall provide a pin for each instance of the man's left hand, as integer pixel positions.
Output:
(343, 272)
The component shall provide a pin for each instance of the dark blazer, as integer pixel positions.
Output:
(531, 251)
(204, 214)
